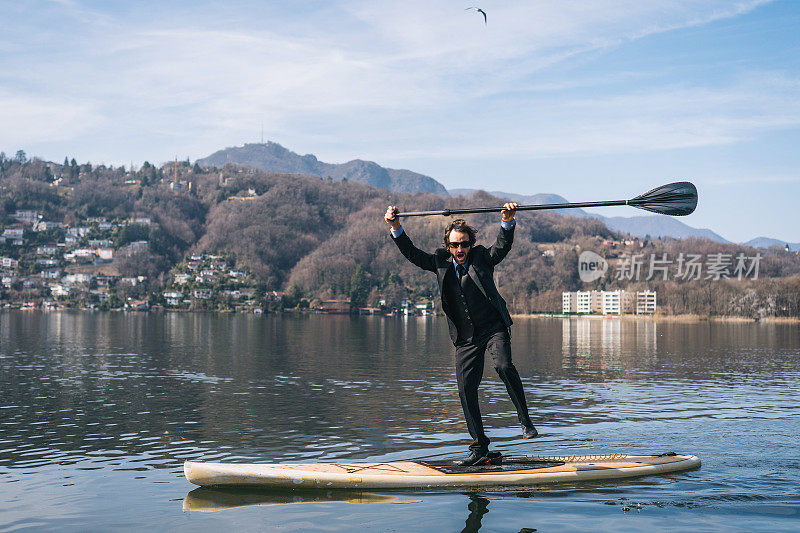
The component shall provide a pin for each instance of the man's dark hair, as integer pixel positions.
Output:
(461, 225)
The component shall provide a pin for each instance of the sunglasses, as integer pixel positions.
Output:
(462, 244)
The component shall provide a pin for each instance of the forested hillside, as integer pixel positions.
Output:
(315, 238)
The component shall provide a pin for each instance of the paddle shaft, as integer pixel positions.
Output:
(448, 212)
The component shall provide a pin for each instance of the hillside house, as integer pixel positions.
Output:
(203, 294)
(79, 277)
(59, 290)
(14, 236)
(47, 249)
(80, 255)
(105, 281)
(79, 231)
(173, 297)
(334, 306)
(44, 225)
(26, 216)
(104, 255)
(7, 262)
(52, 273)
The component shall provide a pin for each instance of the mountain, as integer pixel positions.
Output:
(638, 226)
(542, 198)
(273, 157)
(659, 226)
(766, 242)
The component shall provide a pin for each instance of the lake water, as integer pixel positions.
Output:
(98, 411)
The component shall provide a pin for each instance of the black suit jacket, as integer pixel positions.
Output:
(482, 261)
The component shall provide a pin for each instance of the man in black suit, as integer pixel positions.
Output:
(476, 315)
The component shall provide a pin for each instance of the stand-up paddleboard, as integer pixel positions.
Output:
(512, 472)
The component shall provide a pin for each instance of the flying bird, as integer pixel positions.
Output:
(479, 10)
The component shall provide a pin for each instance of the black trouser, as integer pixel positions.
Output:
(469, 371)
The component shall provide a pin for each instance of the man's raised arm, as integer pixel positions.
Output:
(422, 259)
(505, 239)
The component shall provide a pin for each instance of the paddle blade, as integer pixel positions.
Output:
(678, 199)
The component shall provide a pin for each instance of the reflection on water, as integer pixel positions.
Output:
(112, 403)
(206, 499)
(594, 341)
(478, 506)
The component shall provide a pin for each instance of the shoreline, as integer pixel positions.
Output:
(684, 318)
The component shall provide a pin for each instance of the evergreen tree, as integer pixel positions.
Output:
(359, 288)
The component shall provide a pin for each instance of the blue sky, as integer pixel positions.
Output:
(590, 99)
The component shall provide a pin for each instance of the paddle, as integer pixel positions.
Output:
(677, 199)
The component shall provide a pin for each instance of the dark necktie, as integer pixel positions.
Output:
(462, 274)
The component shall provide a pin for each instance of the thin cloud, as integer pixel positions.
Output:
(32, 119)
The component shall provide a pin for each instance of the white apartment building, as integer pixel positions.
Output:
(645, 302)
(616, 302)
(569, 302)
(612, 302)
(589, 302)
(584, 302)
